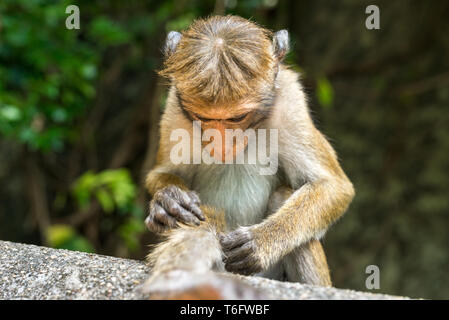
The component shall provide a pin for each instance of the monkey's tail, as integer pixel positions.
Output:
(188, 248)
(192, 248)
(187, 252)
(184, 265)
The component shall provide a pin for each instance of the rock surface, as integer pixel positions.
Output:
(32, 272)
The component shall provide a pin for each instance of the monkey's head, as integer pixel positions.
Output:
(224, 69)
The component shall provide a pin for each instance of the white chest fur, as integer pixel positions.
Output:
(238, 189)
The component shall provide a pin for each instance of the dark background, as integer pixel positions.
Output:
(79, 111)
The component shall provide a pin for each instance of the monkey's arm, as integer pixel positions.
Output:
(157, 179)
(306, 215)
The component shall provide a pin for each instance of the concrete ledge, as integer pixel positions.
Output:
(32, 272)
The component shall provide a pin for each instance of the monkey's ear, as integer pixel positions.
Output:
(171, 42)
(281, 44)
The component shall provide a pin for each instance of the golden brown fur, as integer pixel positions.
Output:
(216, 62)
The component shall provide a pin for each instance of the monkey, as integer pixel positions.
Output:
(226, 72)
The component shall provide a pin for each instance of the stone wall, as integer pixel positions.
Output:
(33, 272)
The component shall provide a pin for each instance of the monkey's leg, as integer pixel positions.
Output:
(306, 263)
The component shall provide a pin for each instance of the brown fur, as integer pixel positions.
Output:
(309, 211)
(216, 62)
(311, 262)
(309, 259)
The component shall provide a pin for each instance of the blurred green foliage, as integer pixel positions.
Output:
(324, 92)
(47, 81)
(47, 77)
(76, 107)
(66, 237)
(112, 188)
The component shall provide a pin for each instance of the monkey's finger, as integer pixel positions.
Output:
(154, 226)
(239, 253)
(246, 266)
(194, 197)
(177, 211)
(235, 239)
(163, 218)
(195, 209)
(190, 201)
(158, 220)
(149, 220)
(229, 243)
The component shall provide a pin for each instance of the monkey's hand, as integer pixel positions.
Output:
(171, 205)
(242, 252)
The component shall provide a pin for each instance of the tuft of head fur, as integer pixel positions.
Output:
(222, 59)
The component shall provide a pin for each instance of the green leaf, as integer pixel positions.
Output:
(105, 199)
(130, 232)
(112, 188)
(59, 115)
(324, 92)
(89, 71)
(65, 237)
(78, 243)
(58, 234)
(10, 113)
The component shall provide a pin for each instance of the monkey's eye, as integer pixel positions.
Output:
(194, 116)
(202, 119)
(237, 119)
